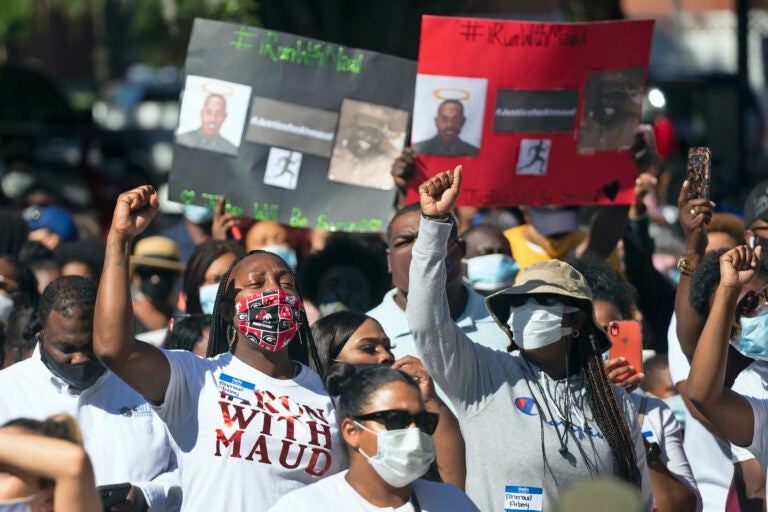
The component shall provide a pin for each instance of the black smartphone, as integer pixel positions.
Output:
(642, 150)
(113, 494)
(699, 172)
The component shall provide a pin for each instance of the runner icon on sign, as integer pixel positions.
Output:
(534, 155)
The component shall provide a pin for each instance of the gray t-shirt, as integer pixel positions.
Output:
(511, 413)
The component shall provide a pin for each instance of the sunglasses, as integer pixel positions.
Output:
(396, 419)
(751, 305)
(543, 299)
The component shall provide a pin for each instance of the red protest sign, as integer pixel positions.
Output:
(537, 113)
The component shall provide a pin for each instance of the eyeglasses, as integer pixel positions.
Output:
(751, 305)
(396, 419)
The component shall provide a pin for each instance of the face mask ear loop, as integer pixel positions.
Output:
(360, 425)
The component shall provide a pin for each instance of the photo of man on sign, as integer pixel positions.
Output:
(448, 115)
(212, 114)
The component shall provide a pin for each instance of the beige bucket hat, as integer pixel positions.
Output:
(548, 277)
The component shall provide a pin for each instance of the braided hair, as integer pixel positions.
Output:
(606, 410)
(223, 335)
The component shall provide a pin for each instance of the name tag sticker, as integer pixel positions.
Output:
(517, 498)
(234, 387)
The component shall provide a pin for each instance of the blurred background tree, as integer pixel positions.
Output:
(118, 32)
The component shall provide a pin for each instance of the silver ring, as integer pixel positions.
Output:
(693, 211)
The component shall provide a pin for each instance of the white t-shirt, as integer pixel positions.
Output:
(708, 455)
(125, 441)
(660, 426)
(244, 439)
(753, 382)
(334, 494)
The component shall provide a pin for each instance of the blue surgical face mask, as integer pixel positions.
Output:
(208, 297)
(287, 253)
(753, 341)
(491, 272)
(197, 214)
(677, 405)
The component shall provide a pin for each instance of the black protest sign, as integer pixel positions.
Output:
(290, 129)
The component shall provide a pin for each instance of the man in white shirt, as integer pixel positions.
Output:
(125, 440)
(467, 306)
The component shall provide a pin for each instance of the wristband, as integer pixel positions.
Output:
(438, 218)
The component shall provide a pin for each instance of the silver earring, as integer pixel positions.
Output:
(592, 342)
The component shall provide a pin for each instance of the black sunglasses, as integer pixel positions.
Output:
(749, 306)
(396, 419)
(543, 299)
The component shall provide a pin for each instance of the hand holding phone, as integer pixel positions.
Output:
(114, 494)
(627, 339)
(643, 150)
(699, 172)
(224, 222)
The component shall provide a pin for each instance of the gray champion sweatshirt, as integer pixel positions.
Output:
(514, 459)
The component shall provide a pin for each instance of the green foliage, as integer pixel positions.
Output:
(16, 17)
(162, 27)
(159, 28)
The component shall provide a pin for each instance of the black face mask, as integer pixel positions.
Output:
(78, 376)
(160, 291)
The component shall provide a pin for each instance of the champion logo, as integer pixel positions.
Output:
(526, 405)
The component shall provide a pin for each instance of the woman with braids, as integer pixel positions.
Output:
(250, 422)
(388, 433)
(543, 416)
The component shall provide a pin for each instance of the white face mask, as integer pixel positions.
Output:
(6, 307)
(402, 455)
(207, 295)
(287, 253)
(535, 326)
(491, 272)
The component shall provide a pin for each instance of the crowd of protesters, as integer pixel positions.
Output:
(457, 362)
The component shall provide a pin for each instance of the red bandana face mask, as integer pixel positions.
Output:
(270, 319)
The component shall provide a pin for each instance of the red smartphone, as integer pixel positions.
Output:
(627, 339)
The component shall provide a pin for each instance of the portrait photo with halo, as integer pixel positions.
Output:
(448, 115)
(212, 114)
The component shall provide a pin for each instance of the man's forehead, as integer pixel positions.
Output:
(215, 101)
(407, 223)
(72, 330)
(450, 108)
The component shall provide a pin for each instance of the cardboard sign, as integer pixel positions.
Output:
(290, 129)
(536, 113)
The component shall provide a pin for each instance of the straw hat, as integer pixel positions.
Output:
(158, 252)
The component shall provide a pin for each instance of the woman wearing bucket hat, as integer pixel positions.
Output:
(545, 415)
